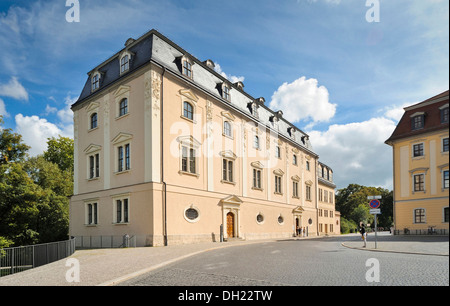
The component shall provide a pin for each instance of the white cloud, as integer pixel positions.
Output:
(14, 89)
(231, 78)
(396, 112)
(303, 99)
(66, 114)
(357, 152)
(35, 132)
(3, 111)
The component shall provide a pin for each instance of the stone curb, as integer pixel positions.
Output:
(392, 251)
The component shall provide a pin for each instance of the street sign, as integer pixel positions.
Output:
(374, 204)
(374, 197)
(376, 211)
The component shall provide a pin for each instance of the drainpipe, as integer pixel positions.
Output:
(162, 159)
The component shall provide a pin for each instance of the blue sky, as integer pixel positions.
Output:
(335, 75)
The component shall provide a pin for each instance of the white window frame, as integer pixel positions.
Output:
(95, 212)
(122, 198)
(95, 81)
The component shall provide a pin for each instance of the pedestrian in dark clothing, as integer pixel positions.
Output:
(363, 235)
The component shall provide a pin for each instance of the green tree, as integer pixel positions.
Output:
(60, 152)
(11, 146)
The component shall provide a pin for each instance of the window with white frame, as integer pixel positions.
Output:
(188, 110)
(123, 107)
(308, 192)
(277, 152)
(419, 182)
(187, 68)
(94, 121)
(227, 170)
(95, 81)
(445, 179)
(188, 160)
(124, 63)
(94, 166)
(91, 213)
(256, 143)
(445, 144)
(418, 149)
(419, 215)
(122, 210)
(278, 186)
(227, 129)
(123, 158)
(294, 160)
(295, 189)
(257, 178)
(226, 92)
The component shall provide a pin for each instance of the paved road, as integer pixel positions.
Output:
(313, 262)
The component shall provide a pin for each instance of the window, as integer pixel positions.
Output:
(257, 179)
(320, 194)
(226, 93)
(124, 64)
(188, 111)
(419, 182)
(419, 215)
(418, 150)
(325, 196)
(227, 131)
(417, 122)
(280, 220)
(331, 197)
(227, 170)
(446, 215)
(123, 162)
(308, 166)
(94, 121)
(294, 159)
(92, 214)
(294, 189)
(191, 214)
(94, 166)
(95, 82)
(445, 183)
(123, 107)
(122, 211)
(445, 144)
(187, 69)
(188, 162)
(308, 192)
(278, 184)
(277, 152)
(256, 142)
(444, 115)
(255, 110)
(259, 218)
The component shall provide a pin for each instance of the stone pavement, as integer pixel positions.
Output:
(111, 266)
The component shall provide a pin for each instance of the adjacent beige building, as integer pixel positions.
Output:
(167, 151)
(421, 170)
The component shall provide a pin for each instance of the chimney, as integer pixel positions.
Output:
(210, 64)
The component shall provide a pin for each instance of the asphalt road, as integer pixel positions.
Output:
(312, 262)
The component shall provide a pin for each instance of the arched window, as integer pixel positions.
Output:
(256, 142)
(227, 129)
(123, 107)
(94, 121)
(188, 111)
(124, 64)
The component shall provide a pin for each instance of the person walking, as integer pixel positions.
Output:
(363, 235)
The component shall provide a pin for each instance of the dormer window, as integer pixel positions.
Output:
(418, 121)
(226, 92)
(187, 68)
(124, 63)
(444, 113)
(96, 81)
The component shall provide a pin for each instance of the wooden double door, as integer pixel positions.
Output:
(230, 225)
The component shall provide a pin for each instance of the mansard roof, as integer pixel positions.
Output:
(153, 47)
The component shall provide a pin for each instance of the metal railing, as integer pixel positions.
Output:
(18, 259)
(429, 231)
(105, 242)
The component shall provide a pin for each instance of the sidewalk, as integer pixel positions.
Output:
(420, 245)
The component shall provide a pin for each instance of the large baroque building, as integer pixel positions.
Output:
(169, 151)
(421, 169)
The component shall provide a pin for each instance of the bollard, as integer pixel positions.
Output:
(126, 241)
(221, 233)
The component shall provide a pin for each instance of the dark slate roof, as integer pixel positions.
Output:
(156, 48)
(431, 109)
